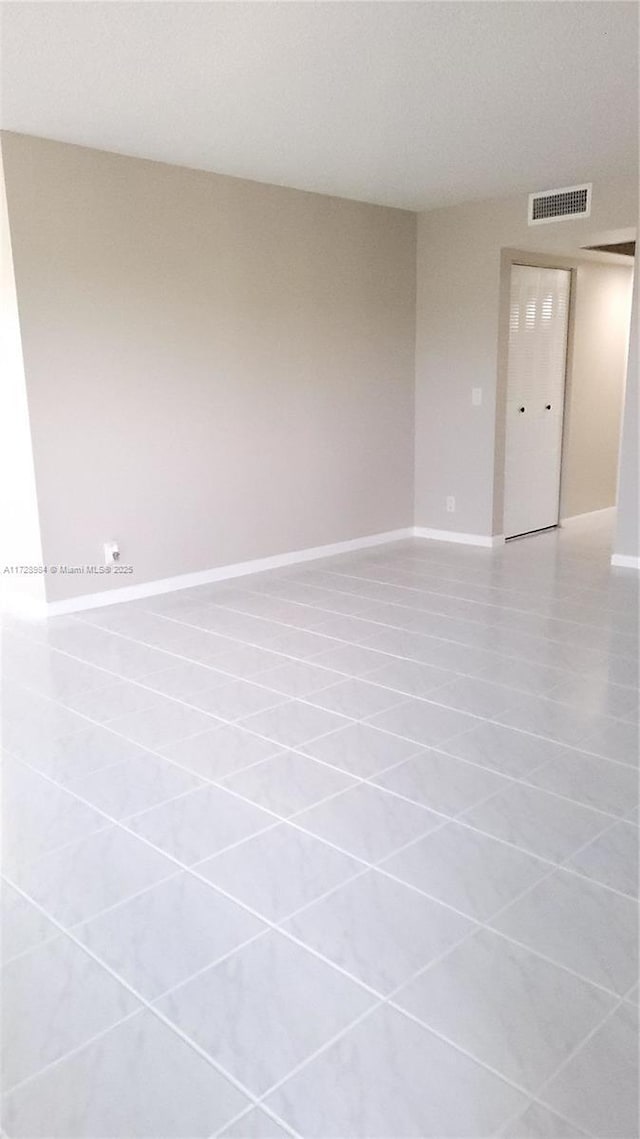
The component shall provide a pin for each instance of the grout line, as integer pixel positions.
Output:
(212, 632)
(442, 557)
(268, 1111)
(146, 1004)
(402, 631)
(490, 928)
(474, 716)
(389, 1000)
(26, 1080)
(83, 921)
(331, 590)
(470, 620)
(30, 949)
(459, 817)
(408, 698)
(613, 820)
(291, 821)
(566, 1119)
(573, 1053)
(68, 842)
(437, 594)
(191, 868)
(440, 594)
(533, 1102)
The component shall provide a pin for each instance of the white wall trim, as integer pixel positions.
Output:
(487, 540)
(21, 606)
(587, 514)
(625, 561)
(31, 608)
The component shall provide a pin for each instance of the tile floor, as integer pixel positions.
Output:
(343, 851)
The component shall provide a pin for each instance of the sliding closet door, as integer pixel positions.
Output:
(538, 326)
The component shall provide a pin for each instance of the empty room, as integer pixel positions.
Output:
(319, 569)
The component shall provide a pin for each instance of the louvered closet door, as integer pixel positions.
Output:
(538, 324)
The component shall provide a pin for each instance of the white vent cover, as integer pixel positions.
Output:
(560, 205)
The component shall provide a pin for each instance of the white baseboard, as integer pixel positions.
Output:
(20, 606)
(23, 606)
(587, 514)
(486, 540)
(625, 561)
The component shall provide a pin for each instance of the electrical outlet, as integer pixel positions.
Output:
(111, 553)
(476, 396)
(451, 504)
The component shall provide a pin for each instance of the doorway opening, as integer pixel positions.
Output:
(564, 372)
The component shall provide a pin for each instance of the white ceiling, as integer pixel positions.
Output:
(407, 104)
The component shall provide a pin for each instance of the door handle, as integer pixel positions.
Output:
(548, 407)
(521, 409)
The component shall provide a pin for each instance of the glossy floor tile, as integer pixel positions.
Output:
(220, 751)
(54, 999)
(581, 925)
(367, 821)
(198, 824)
(518, 1013)
(465, 869)
(538, 1122)
(391, 1077)
(23, 926)
(39, 817)
(139, 783)
(279, 871)
(278, 1002)
(287, 783)
(347, 850)
(360, 750)
(158, 938)
(84, 878)
(587, 779)
(140, 1079)
(254, 1124)
(441, 782)
(544, 824)
(611, 859)
(378, 930)
(598, 1087)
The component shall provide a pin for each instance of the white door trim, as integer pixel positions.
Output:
(535, 520)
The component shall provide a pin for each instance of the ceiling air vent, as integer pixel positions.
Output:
(557, 205)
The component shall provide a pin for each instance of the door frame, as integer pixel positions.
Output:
(510, 257)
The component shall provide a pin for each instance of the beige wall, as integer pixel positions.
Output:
(20, 543)
(595, 387)
(459, 280)
(217, 370)
(627, 543)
